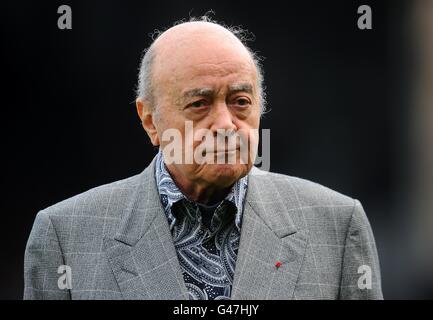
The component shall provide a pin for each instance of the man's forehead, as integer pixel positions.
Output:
(205, 70)
(201, 56)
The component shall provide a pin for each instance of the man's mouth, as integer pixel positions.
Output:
(226, 151)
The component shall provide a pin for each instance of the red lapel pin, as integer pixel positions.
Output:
(278, 264)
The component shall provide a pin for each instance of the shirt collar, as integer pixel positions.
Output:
(170, 194)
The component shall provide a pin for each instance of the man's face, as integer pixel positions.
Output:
(214, 86)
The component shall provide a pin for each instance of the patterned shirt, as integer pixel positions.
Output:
(206, 238)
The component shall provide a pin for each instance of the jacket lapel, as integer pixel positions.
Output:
(268, 236)
(142, 254)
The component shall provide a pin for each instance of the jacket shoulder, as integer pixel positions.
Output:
(319, 211)
(307, 192)
(304, 193)
(95, 201)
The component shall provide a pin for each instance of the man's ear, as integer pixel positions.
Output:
(145, 113)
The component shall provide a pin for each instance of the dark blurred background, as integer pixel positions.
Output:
(342, 110)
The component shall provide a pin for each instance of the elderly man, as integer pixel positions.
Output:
(213, 229)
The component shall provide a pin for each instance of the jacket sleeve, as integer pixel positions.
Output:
(42, 259)
(360, 278)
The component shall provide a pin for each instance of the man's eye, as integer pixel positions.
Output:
(199, 104)
(242, 102)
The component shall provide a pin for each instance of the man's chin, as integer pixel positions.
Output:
(224, 174)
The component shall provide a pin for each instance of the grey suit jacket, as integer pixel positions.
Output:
(116, 240)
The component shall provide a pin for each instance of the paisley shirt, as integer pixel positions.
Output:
(206, 238)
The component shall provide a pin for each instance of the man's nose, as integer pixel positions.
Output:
(222, 118)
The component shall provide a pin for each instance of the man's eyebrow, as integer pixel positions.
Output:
(198, 92)
(206, 92)
(241, 87)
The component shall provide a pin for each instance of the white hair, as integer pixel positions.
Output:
(144, 88)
